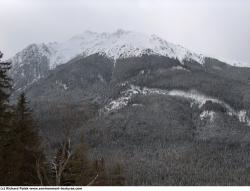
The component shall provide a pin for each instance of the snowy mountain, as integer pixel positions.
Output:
(120, 44)
(145, 104)
(159, 97)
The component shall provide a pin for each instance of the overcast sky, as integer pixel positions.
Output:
(218, 28)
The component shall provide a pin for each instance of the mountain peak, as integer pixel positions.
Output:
(119, 44)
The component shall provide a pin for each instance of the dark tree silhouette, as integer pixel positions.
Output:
(5, 114)
(23, 151)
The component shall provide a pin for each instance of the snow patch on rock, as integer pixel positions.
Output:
(123, 100)
(242, 116)
(207, 115)
(62, 85)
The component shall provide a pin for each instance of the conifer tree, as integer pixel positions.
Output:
(5, 114)
(5, 87)
(24, 150)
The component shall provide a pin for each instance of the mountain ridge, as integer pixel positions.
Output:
(119, 44)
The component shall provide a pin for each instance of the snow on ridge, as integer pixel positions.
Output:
(193, 96)
(119, 44)
(234, 62)
(239, 64)
(179, 68)
(199, 98)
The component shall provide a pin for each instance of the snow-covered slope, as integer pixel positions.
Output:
(116, 45)
(195, 98)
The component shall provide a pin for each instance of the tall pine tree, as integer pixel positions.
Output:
(5, 114)
(5, 87)
(23, 151)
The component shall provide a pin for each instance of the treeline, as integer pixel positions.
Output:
(23, 160)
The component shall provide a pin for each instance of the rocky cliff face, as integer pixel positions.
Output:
(30, 65)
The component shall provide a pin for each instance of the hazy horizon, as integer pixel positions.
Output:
(214, 28)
